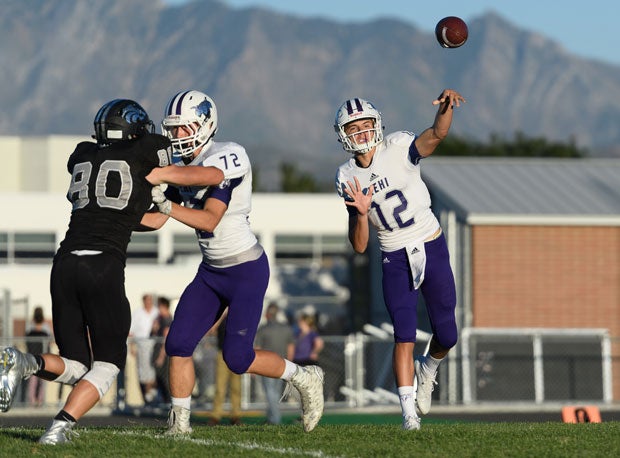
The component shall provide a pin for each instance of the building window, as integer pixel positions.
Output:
(143, 248)
(314, 246)
(185, 245)
(27, 247)
(4, 247)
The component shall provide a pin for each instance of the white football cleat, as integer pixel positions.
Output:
(178, 421)
(426, 384)
(15, 366)
(308, 381)
(59, 432)
(411, 423)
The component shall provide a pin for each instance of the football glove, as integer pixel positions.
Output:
(159, 198)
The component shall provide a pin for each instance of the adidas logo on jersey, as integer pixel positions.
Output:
(373, 176)
(415, 250)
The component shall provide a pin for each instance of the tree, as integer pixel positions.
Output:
(292, 180)
(521, 146)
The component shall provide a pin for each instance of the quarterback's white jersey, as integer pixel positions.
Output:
(232, 236)
(400, 208)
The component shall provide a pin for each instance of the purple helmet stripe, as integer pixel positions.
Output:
(358, 105)
(349, 107)
(180, 102)
(174, 107)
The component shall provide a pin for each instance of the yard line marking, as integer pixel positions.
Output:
(243, 445)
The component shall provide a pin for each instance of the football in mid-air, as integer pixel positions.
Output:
(451, 32)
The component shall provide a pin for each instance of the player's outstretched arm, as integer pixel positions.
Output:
(191, 175)
(427, 141)
(205, 219)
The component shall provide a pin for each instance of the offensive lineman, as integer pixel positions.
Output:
(234, 271)
(110, 190)
(381, 185)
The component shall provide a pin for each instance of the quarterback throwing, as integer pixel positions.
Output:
(381, 185)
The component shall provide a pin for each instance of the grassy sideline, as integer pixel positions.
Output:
(330, 440)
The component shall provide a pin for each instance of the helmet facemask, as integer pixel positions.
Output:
(185, 147)
(195, 113)
(349, 141)
(355, 110)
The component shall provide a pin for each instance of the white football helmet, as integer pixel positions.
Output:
(352, 110)
(195, 111)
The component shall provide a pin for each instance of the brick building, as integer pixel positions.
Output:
(535, 243)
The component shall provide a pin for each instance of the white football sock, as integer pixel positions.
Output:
(407, 401)
(289, 370)
(430, 364)
(186, 403)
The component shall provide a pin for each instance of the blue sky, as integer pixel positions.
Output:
(586, 28)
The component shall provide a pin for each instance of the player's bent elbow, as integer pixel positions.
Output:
(359, 249)
(219, 175)
(204, 226)
(151, 221)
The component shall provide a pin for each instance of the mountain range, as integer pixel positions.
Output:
(277, 80)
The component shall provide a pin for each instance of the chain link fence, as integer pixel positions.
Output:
(505, 366)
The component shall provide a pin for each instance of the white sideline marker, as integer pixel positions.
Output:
(241, 445)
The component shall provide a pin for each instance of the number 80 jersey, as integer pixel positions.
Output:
(109, 192)
(401, 205)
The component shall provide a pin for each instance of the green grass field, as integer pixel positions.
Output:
(330, 439)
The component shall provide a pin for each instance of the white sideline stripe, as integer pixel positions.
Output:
(242, 445)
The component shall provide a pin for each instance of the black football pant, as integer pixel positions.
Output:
(90, 311)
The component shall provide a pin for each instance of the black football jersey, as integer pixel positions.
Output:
(109, 192)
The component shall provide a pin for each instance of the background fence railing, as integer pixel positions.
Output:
(506, 366)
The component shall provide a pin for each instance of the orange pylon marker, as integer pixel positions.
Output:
(581, 414)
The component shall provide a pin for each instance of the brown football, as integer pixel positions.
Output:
(451, 32)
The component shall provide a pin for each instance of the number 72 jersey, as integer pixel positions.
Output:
(401, 204)
(233, 234)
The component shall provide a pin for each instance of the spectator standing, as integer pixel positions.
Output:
(37, 343)
(141, 324)
(275, 336)
(205, 357)
(308, 343)
(226, 381)
(161, 325)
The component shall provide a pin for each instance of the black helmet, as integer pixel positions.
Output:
(121, 119)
